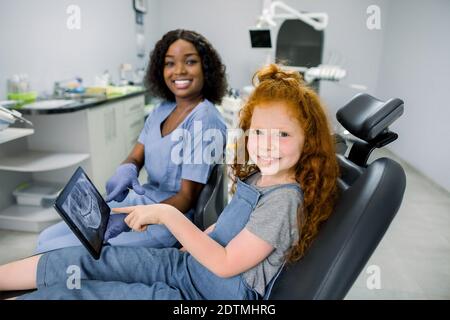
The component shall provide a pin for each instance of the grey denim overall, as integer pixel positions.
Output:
(148, 273)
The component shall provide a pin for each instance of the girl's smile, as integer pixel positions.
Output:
(266, 161)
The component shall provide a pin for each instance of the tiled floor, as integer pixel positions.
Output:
(413, 257)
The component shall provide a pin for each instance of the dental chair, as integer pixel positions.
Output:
(370, 196)
(212, 199)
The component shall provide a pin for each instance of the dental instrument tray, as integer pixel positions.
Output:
(41, 194)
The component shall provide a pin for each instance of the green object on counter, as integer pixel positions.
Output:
(23, 97)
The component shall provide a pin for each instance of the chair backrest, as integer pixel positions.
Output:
(212, 199)
(370, 196)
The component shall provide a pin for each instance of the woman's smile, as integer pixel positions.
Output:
(182, 84)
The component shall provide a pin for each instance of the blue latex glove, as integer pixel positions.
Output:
(125, 178)
(116, 225)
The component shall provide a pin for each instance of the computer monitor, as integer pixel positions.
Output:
(260, 37)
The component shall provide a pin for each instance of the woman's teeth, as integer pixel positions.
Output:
(180, 84)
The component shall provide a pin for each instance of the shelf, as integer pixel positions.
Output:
(9, 134)
(38, 161)
(28, 218)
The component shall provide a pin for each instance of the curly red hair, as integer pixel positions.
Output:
(317, 169)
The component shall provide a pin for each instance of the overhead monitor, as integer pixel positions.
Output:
(260, 37)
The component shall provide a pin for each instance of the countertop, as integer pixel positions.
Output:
(80, 104)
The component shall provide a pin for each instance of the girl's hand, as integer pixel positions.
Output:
(139, 217)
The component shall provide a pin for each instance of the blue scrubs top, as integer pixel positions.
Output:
(186, 153)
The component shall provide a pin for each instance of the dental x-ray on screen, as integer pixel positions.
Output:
(84, 210)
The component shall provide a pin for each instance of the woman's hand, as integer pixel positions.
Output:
(139, 217)
(125, 178)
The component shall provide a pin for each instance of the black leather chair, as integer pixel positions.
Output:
(212, 199)
(370, 197)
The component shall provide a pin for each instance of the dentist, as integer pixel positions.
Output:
(188, 74)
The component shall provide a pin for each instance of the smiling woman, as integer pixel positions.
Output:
(213, 70)
(183, 76)
(183, 70)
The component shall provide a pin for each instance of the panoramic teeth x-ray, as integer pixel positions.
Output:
(83, 205)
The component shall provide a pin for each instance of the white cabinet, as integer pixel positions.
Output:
(132, 122)
(106, 132)
(98, 139)
(10, 134)
(106, 145)
(39, 161)
(113, 132)
(33, 218)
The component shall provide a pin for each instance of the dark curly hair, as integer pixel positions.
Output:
(215, 82)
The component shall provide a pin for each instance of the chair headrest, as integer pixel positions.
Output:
(366, 117)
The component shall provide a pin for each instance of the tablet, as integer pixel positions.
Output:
(83, 209)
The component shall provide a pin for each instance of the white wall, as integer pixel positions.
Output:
(35, 40)
(416, 67)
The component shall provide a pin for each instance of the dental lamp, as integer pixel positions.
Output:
(318, 21)
(261, 37)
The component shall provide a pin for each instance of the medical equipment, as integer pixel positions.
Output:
(8, 117)
(330, 73)
(321, 72)
(84, 210)
(317, 20)
(325, 72)
(299, 43)
(261, 37)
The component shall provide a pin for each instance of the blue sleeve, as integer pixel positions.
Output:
(203, 147)
(145, 131)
